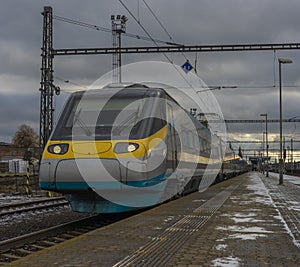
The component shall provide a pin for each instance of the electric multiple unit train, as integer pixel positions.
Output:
(122, 148)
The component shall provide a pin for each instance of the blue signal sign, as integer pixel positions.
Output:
(187, 67)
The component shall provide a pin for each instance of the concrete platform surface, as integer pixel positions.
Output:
(246, 221)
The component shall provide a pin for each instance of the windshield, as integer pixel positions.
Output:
(97, 116)
(105, 112)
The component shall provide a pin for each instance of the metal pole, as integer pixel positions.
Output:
(281, 61)
(46, 89)
(267, 147)
(118, 24)
(120, 58)
(263, 153)
(292, 165)
(15, 169)
(267, 144)
(27, 178)
(280, 130)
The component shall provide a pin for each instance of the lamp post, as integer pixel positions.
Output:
(281, 61)
(267, 144)
(263, 153)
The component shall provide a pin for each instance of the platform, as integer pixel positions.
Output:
(246, 221)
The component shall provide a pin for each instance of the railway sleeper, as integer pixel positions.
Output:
(38, 247)
(59, 239)
(49, 242)
(25, 251)
(45, 243)
(82, 231)
(67, 236)
(7, 257)
(75, 233)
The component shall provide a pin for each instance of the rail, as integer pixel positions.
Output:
(32, 205)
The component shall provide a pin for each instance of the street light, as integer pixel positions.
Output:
(267, 144)
(281, 61)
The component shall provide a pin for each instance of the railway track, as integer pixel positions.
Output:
(22, 246)
(32, 205)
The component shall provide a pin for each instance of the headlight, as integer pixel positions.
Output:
(125, 147)
(58, 149)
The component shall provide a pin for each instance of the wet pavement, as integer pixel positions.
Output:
(246, 221)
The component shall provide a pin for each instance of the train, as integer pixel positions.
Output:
(129, 146)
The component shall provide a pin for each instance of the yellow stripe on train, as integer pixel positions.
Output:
(104, 148)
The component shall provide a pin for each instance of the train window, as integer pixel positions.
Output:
(207, 146)
(204, 145)
(83, 115)
(201, 145)
(190, 139)
(185, 138)
(102, 117)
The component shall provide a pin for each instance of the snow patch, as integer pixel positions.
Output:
(230, 261)
(279, 215)
(243, 220)
(221, 247)
(263, 200)
(241, 229)
(169, 218)
(243, 215)
(246, 236)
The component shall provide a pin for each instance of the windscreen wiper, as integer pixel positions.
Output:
(82, 125)
(117, 130)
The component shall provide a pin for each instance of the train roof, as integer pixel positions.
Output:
(140, 90)
(130, 89)
(125, 89)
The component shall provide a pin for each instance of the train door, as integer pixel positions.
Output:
(171, 141)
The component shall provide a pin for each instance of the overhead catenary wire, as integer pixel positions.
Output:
(274, 68)
(171, 38)
(103, 29)
(159, 22)
(201, 100)
(157, 19)
(82, 87)
(162, 26)
(139, 23)
(99, 28)
(249, 86)
(149, 35)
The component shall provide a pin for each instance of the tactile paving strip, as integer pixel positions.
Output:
(162, 247)
(285, 199)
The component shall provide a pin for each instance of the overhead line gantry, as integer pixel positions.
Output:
(257, 121)
(176, 49)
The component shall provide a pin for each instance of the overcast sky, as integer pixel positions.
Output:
(189, 22)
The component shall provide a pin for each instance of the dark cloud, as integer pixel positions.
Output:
(16, 110)
(189, 22)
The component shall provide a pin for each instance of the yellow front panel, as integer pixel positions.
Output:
(105, 148)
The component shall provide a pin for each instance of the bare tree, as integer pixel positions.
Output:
(27, 139)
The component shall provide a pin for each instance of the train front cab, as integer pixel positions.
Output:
(70, 163)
